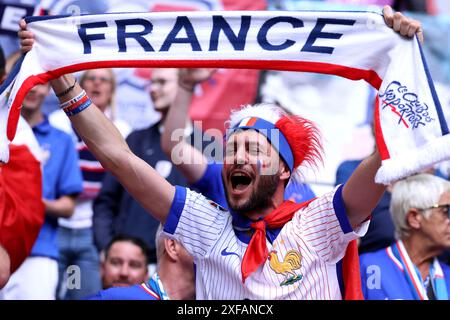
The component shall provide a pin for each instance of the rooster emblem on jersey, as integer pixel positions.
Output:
(292, 261)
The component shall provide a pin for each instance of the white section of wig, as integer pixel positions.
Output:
(266, 111)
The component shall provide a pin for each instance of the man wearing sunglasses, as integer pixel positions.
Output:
(409, 269)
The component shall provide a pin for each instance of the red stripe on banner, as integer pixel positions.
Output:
(318, 67)
(381, 144)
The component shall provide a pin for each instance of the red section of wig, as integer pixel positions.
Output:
(304, 139)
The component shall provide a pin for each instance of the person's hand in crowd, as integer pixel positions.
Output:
(189, 77)
(407, 27)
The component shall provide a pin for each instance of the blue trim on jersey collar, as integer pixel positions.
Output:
(176, 209)
(241, 227)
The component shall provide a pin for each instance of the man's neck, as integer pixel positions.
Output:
(33, 117)
(183, 288)
(276, 200)
(421, 252)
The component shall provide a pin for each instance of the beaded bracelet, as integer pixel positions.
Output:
(67, 90)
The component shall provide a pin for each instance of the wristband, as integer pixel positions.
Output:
(73, 100)
(79, 108)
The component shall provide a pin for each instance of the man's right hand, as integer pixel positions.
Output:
(26, 37)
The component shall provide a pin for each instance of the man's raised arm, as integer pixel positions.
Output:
(106, 143)
(190, 161)
(108, 146)
(361, 194)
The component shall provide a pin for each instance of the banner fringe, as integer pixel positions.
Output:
(414, 161)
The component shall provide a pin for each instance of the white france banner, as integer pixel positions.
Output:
(411, 131)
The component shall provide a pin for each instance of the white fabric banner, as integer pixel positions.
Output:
(411, 131)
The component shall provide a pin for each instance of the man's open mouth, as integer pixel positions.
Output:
(240, 180)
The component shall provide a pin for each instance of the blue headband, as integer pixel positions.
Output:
(267, 129)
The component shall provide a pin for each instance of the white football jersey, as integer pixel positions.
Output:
(301, 262)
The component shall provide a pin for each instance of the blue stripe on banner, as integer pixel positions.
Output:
(341, 213)
(176, 209)
(12, 75)
(42, 18)
(440, 113)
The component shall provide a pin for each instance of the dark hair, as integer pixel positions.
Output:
(136, 241)
(2, 62)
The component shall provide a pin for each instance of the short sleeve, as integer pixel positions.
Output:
(195, 221)
(324, 225)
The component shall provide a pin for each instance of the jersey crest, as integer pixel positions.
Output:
(292, 261)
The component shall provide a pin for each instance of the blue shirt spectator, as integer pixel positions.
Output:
(61, 176)
(150, 290)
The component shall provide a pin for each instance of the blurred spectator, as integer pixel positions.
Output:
(74, 8)
(2, 66)
(37, 277)
(409, 269)
(125, 262)
(174, 279)
(115, 210)
(75, 237)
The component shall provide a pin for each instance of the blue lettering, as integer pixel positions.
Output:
(262, 34)
(220, 24)
(317, 33)
(87, 38)
(182, 23)
(122, 34)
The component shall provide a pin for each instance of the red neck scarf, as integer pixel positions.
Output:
(257, 252)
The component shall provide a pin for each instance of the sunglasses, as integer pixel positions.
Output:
(437, 206)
